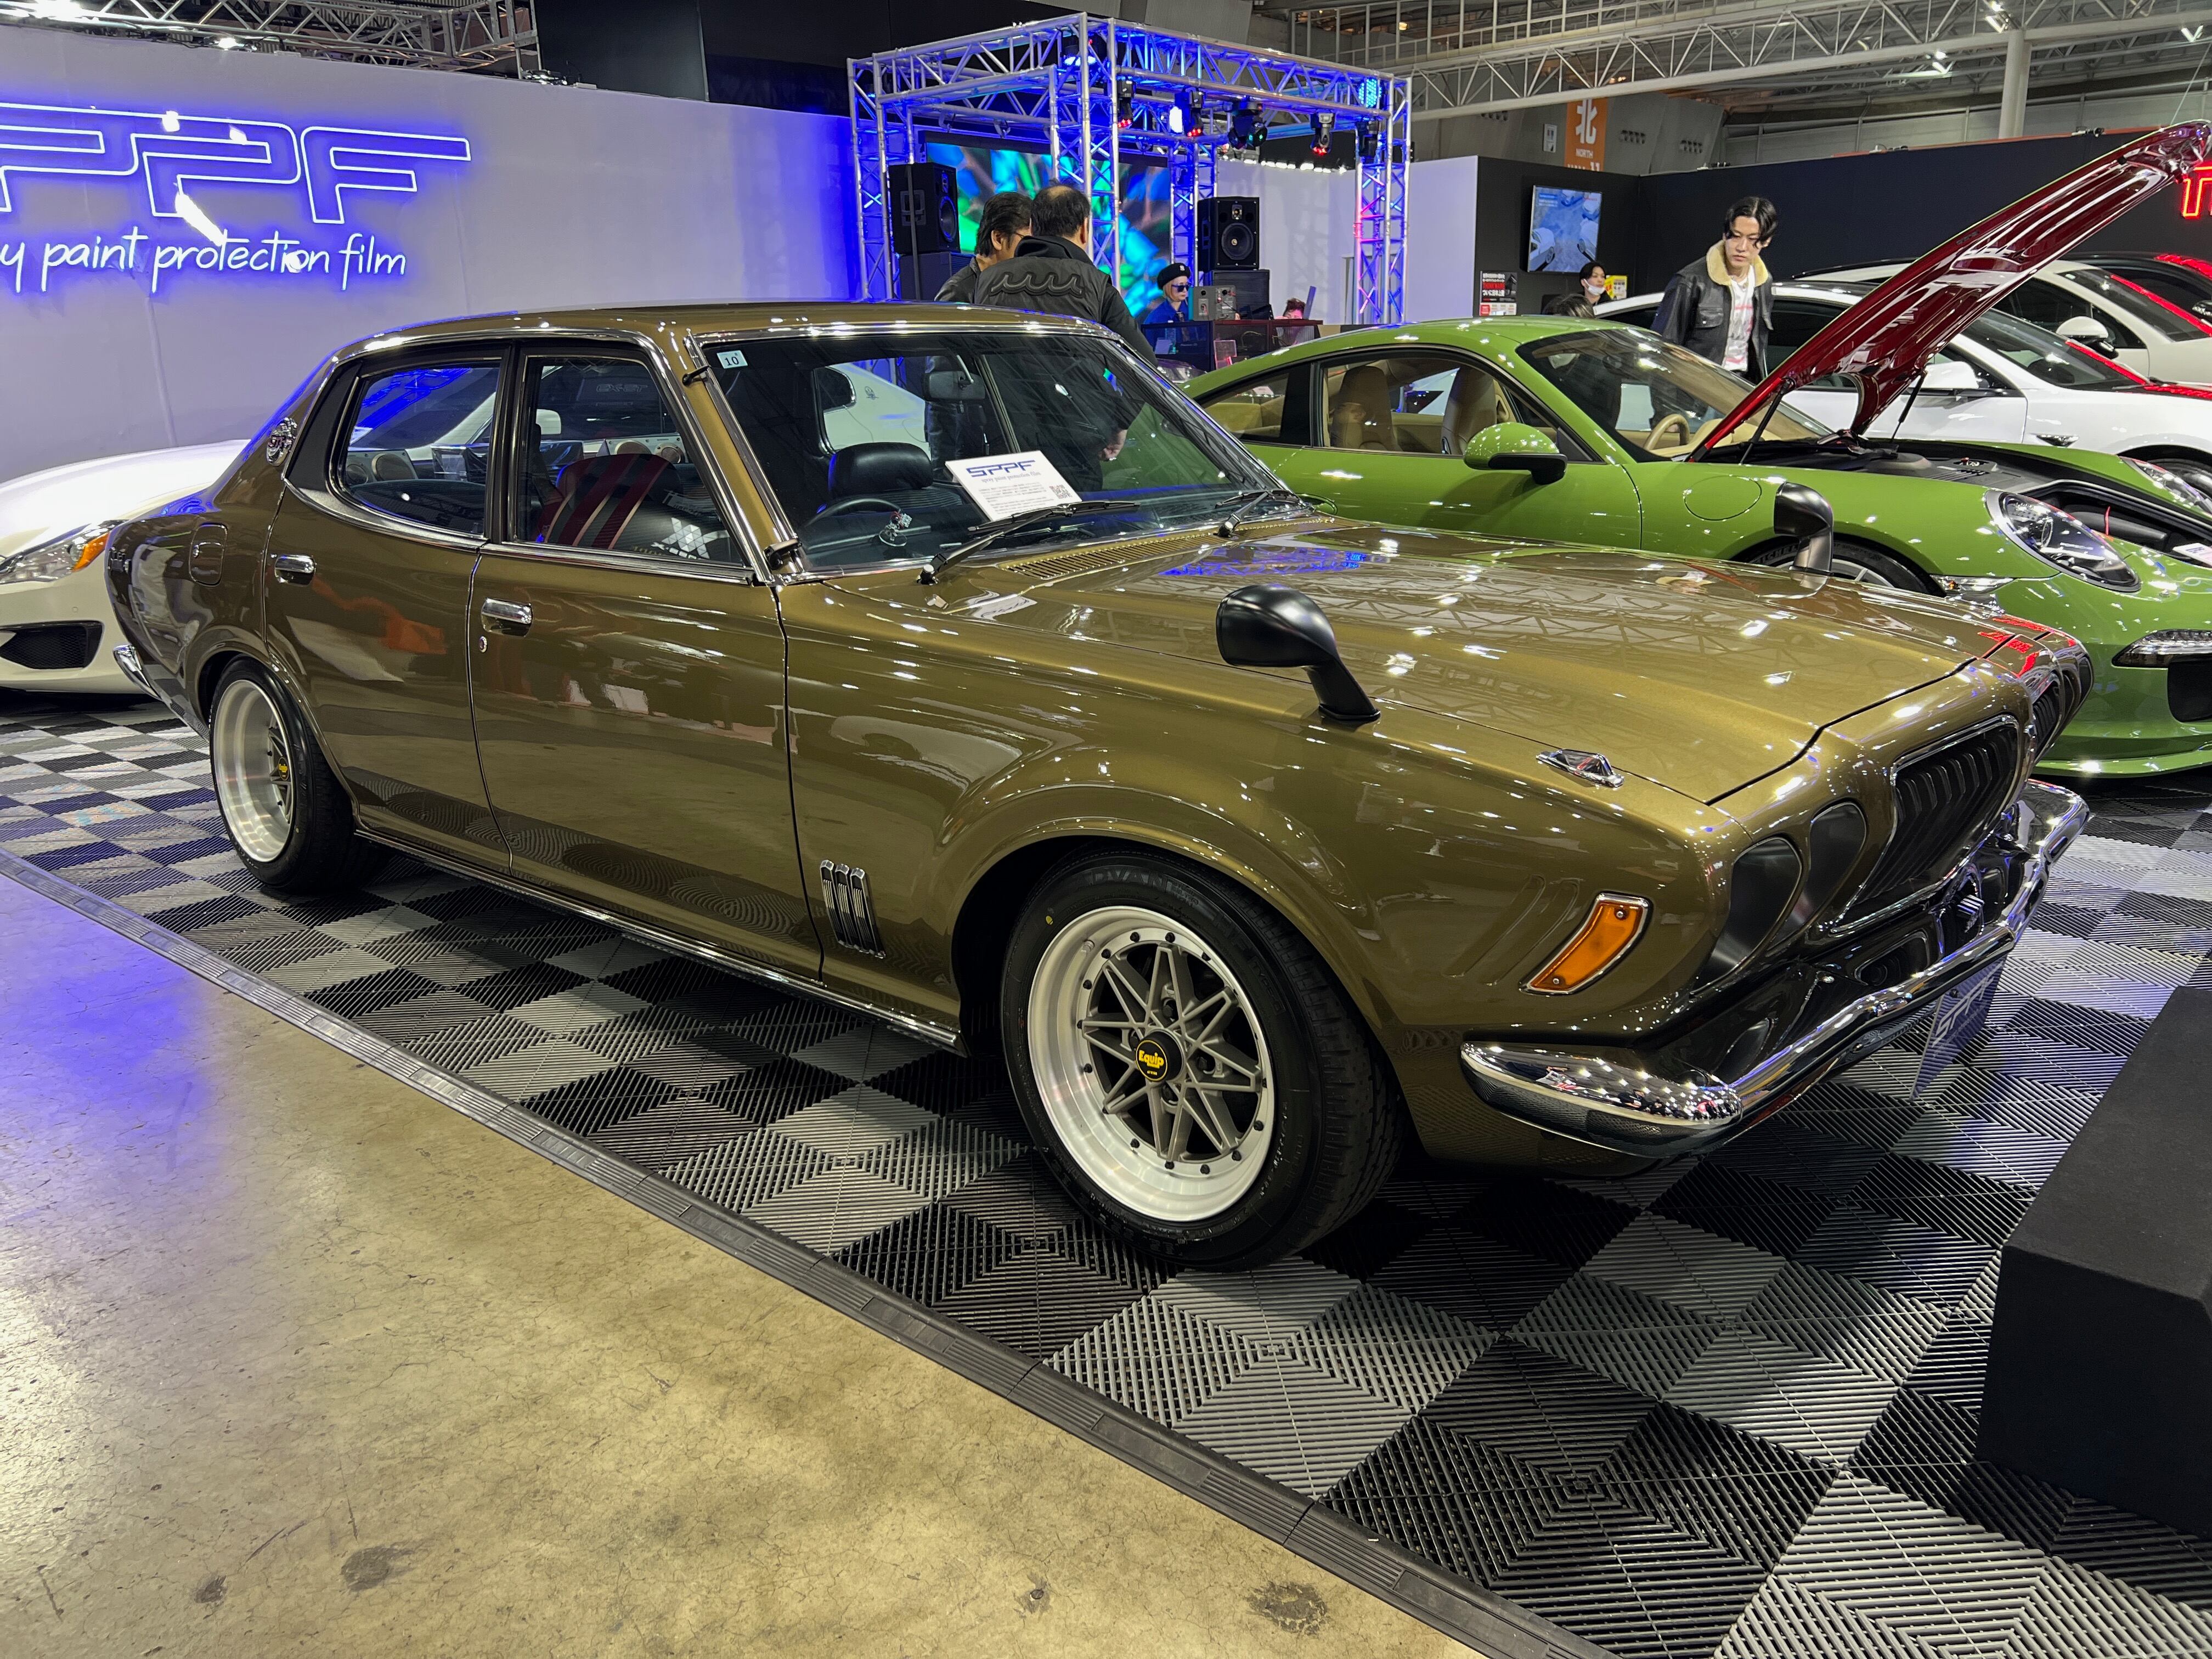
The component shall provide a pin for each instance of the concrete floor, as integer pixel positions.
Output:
(293, 1358)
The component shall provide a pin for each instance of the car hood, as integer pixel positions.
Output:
(1885, 341)
(1699, 677)
(62, 499)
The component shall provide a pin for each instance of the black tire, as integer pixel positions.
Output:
(1339, 1123)
(322, 852)
(1891, 571)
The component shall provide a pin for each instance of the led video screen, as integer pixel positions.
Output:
(1144, 223)
(1562, 227)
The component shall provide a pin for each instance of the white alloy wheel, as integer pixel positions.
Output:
(253, 765)
(1150, 1064)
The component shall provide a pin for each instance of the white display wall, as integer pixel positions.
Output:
(322, 202)
(1307, 223)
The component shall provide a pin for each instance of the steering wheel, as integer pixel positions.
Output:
(851, 502)
(1675, 426)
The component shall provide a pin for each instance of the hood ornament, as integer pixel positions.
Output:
(1585, 766)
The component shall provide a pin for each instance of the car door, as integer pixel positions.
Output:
(629, 684)
(1387, 440)
(368, 563)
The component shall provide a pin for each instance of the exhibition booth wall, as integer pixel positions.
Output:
(349, 199)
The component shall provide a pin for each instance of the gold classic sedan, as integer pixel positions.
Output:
(947, 664)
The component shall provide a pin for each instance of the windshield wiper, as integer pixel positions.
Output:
(1246, 503)
(1004, 527)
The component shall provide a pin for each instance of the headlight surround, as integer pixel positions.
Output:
(2167, 479)
(57, 555)
(2060, 539)
(2165, 648)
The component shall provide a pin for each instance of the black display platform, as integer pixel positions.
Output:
(2100, 1357)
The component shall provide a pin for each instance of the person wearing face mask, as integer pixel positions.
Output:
(1592, 279)
(1722, 306)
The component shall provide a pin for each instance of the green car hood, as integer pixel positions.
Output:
(1698, 677)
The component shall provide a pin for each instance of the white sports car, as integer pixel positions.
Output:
(2002, 381)
(2077, 302)
(56, 626)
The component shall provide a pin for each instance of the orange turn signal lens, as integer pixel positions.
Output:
(1615, 922)
(94, 547)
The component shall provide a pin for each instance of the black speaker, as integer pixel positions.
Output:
(925, 208)
(1229, 232)
(920, 275)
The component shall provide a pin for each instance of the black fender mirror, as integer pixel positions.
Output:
(1804, 517)
(1269, 626)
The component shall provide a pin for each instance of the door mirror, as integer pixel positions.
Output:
(1949, 375)
(2088, 331)
(1510, 447)
(1268, 626)
(831, 391)
(1804, 516)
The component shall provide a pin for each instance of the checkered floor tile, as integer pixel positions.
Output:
(1725, 1408)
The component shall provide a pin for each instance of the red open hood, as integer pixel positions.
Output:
(1886, 339)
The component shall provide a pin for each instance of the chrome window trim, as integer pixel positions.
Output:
(336, 501)
(741, 531)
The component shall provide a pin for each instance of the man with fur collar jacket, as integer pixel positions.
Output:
(1721, 307)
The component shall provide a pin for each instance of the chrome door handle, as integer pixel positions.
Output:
(292, 567)
(503, 617)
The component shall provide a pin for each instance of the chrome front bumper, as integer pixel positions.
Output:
(1608, 1103)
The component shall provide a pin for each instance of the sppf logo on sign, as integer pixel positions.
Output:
(164, 155)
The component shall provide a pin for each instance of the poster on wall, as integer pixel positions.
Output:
(159, 198)
(1498, 295)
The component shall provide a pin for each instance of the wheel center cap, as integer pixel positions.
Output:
(1158, 1058)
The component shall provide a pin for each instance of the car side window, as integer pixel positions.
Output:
(1255, 411)
(1424, 403)
(2047, 305)
(604, 466)
(1797, 321)
(416, 441)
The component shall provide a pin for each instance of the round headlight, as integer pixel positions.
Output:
(56, 556)
(2171, 482)
(2060, 539)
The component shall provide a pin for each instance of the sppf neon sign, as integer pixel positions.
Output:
(166, 153)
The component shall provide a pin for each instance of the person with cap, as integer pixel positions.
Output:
(1161, 323)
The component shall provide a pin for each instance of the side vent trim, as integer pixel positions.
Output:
(852, 910)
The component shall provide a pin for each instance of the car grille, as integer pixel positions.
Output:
(52, 645)
(1946, 797)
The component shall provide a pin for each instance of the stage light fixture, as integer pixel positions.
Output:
(1178, 115)
(1371, 141)
(1324, 129)
(1125, 109)
(1244, 125)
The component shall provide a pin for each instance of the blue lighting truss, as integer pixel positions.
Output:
(1069, 83)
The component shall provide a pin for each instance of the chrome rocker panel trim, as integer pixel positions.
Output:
(1605, 1104)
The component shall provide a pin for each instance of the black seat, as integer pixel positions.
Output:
(879, 470)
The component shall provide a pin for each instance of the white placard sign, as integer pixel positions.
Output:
(1003, 485)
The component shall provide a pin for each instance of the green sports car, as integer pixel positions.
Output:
(1560, 429)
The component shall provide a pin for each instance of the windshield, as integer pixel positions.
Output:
(1656, 398)
(2045, 355)
(2131, 302)
(862, 435)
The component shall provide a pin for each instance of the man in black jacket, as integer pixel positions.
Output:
(1052, 272)
(1722, 306)
(999, 231)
